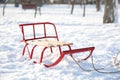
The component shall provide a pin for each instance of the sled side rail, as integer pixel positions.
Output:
(90, 49)
(78, 50)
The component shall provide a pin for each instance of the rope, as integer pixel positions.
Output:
(105, 72)
(81, 66)
(94, 68)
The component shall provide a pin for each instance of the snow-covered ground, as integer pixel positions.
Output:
(81, 31)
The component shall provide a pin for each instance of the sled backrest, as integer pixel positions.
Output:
(41, 30)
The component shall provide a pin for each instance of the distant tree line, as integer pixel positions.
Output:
(110, 9)
(61, 1)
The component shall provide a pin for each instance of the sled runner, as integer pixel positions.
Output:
(37, 34)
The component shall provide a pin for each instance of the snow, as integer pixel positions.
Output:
(81, 31)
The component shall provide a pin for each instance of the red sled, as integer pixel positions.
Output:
(37, 34)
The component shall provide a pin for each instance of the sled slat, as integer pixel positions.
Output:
(48, 43)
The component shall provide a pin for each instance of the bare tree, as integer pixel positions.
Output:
(98, 4)
(109, 11)
(72, 8)
(84, 8)
(6, 1)
(31, 4)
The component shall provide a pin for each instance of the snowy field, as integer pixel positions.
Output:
(81, 31)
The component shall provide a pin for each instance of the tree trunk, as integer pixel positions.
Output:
(84, 8)
(72, 8)
(6, 1)
(109, 16)
(98, 5)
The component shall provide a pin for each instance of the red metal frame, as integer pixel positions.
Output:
(62, 53)
(32, 24)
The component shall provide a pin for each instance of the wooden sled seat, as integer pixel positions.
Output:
(47, 43)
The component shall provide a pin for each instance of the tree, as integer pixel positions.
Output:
(98, 2)
(84, 8)
(110, 11)
(72, 8)
(6, 1)
(28, 4)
